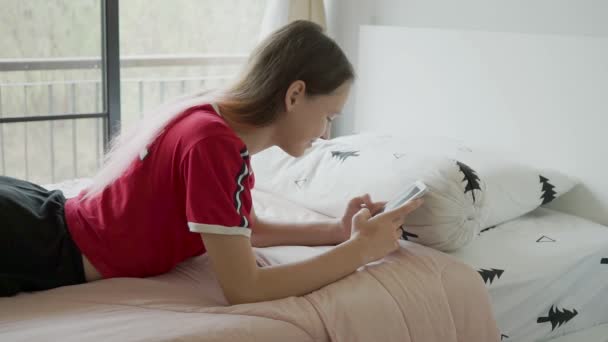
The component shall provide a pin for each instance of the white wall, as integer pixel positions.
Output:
(584, 17)
(539, 98)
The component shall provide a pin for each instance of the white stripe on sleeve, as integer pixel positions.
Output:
(217, 229)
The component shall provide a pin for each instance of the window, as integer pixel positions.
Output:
(169, 49)
(49, 66)
(51, 60)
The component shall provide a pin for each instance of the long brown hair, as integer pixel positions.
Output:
(297, 51)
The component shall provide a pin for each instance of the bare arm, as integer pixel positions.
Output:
(273, 233)
(329, 232)
(242, 281)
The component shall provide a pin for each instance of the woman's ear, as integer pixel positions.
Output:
(294, 95)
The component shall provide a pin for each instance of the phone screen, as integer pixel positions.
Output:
(413, 192)
(408, 196)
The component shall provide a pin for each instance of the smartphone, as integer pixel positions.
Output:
(414, 191)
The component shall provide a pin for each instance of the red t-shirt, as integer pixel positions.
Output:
(195, 177)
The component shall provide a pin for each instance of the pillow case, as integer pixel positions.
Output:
(469, 189)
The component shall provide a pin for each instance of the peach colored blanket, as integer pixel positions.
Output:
(415, 294)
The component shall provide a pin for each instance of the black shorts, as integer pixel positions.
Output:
(36, 249)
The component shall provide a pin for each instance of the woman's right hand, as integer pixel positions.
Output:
(379, 235)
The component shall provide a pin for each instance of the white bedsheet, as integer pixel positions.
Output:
(543, 260)
(596, 334)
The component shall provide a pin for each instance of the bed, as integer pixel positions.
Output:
(545, 258)
(541, 99)
(444, 300)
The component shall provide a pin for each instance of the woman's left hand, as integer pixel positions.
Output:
(344, 226)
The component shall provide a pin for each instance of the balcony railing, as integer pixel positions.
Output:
(31, 151)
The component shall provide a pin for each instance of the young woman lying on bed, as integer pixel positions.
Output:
(184, 174)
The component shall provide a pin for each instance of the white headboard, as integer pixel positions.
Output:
(544, 97)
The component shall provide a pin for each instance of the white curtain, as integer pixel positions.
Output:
(281, 12)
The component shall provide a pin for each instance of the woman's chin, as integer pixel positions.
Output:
(297, 150)
(299, 153)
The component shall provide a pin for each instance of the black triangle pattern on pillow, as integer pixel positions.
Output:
(406, 235)
(545, 239)
(485, 230)
(503, 336)
(470, 177)
(343, 155)
(488, 276)
(300, 182)
(548, 194)
(557, 317)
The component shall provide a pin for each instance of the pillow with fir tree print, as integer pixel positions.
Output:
(470, 189)
(330, 174)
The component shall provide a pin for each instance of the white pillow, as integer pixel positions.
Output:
(469, 191)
